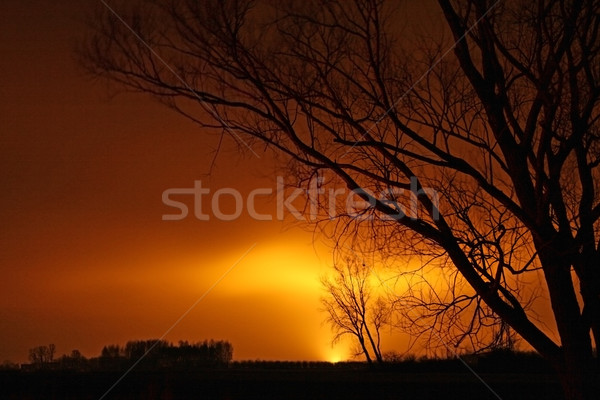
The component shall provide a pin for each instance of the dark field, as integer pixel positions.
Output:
(282, 381)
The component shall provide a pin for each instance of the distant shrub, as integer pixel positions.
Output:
(8, 365)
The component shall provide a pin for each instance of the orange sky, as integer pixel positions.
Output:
(85, 257)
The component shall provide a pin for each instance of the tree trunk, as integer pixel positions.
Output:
(376, 350)
(576, 367)
(364, 348)
(577, 381)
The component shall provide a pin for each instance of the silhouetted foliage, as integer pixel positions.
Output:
(111, 351)
(41, 355)
(513, 376)
(151, 354)
(394, 357)
(8, 365)
(73, 361)
(162, 354)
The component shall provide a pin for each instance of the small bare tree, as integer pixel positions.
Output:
(41, 355)
(352, 309)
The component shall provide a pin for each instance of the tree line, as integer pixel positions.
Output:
(153, 353)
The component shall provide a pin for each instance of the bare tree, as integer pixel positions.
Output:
(112, 351)
(496, 111)
(352, 310)
(41, 355)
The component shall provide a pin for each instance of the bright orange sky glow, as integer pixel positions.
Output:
(86, 259)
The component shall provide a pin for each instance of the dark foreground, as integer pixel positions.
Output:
(280, 382)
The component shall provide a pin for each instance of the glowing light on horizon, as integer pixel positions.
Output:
(334, 359)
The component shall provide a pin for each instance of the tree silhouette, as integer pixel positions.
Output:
(73, 361)
(490, 120)
(41, 355)
(157, 354)
(352, 310)
(111, 351)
